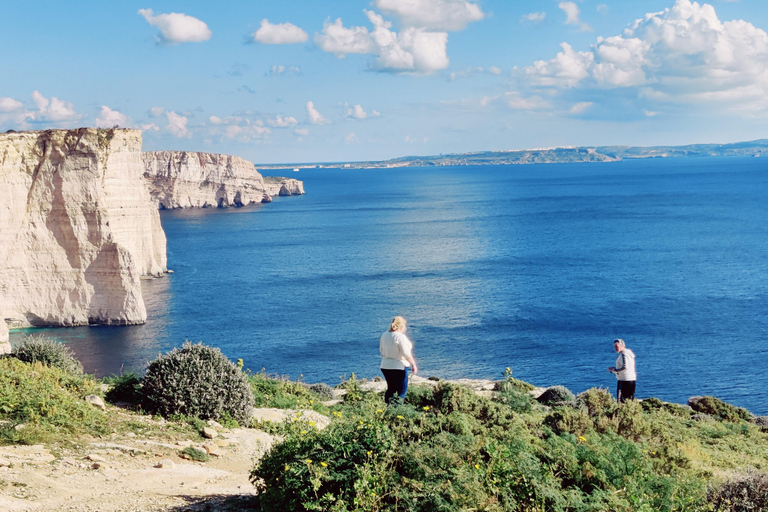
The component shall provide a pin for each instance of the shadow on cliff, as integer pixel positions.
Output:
(216, 503)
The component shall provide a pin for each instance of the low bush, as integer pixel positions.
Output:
(557, 396)
(597, 401)
(279, 392)
(38, 348)
(126, 387)
(322, 390)
(718, 408)
(749, 493)
(197, 380)
(41, 403)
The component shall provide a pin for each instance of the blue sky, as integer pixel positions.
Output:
(347, 80)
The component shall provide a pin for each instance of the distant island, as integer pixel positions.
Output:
(551, 155)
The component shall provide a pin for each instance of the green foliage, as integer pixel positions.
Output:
(197, 380)
(508, 382)
(322, 390)
(38, 348)
(719, 409)
(557, 396)
(654, 404)
(126, 387)
(42, 403)
(597, 401)
(281, 393)
(749, 493)
(195, 454)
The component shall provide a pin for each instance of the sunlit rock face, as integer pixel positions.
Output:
(181, 179)
(78, 228)
(276, 186)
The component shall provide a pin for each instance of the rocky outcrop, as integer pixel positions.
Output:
(181, 179)
(78, 228)
(276, 186)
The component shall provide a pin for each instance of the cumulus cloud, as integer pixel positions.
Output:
(533, 17)
(10, 105)
(177, 27)
(532, 103)
(350, 138)
(572, 16)
(282, 122)
(301, 131)
(243, 128)
(280, 33)
(683, 54)
(421, 45)
(314, 116)
(356, 112)
(109, 118)
(156, 111)
(55, 110)
(177, 125)
(436, 15)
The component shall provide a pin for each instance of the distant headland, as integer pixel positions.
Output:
(551, 155)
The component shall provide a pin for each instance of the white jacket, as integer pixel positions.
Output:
(625, 365)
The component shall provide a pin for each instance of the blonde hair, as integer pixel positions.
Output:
(397, 323)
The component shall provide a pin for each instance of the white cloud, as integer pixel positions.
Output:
(531, 103)
(243, 128)
(54, 109)
(215, 120)
(580, 107)
(684, 54)
(533, 17)
(602, 8)
(10, 105)
(109, 118)
(314, 116)
(572, 16)
(177, 27)
(301, 131)
(282, 122)
(356, 112)
(494, 70)
(412, 50)
(340, 40)
(280, 33)
(435, 15)
(150, 127)
(156, 111)
(279, 70)
(375, 113)
(177, 125)
(350, 138)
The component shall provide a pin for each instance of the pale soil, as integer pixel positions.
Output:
(52, 478)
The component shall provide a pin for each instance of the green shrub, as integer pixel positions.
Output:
(124, 388)
(322, 390)
(654, 404)
(597, 401)
(36, 348)
(556, 396)
(568, 420)
(195, 454)
(716, 407)
(47, 401)
(749, 493)
(279, 392)
(508, 382)
(197, 380)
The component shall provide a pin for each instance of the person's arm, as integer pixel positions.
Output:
(623, 363)
(406, 348)
(411, 360)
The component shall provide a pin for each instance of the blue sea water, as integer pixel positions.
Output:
(535, 267)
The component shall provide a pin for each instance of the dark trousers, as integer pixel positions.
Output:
(397, 383)
(625, 390)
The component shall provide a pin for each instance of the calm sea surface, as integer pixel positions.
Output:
(534, 267)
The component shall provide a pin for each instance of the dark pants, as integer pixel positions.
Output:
(625, 390)
(397, 383)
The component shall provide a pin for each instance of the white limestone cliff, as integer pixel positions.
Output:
(77, 228)
(276, 186)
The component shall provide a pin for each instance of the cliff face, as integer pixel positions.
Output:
(180, 179)
(276, 186)
(77, 228)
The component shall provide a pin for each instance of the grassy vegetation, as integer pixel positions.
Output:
(445, 449)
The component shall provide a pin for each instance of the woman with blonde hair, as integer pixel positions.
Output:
(396, 358)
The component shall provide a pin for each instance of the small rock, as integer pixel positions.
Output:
(165, 464)
(4, 463)
(96, 401)
(131, 434)
(184, 444)
(69, 461)
(213, 450)
(20, 426)
(214, 424)
(209, 433)
(95, 458)
(96, 465)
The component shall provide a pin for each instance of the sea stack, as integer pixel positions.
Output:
(78, 228)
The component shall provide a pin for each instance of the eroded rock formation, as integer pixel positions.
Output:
(182, 179)
(77, 228)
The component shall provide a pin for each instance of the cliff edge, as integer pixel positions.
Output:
(183, 179)
(77, 228)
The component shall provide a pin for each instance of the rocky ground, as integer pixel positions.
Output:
(129, 473)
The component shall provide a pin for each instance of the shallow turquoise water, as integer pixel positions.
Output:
(534, 267)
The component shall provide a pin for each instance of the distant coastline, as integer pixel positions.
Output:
(550, 155)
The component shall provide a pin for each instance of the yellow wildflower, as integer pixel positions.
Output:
(324, 464)
(287, 467)
(400, 417)
(308, 461)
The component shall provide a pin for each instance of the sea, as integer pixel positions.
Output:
(537, 268)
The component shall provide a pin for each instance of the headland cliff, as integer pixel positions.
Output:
(79, 221)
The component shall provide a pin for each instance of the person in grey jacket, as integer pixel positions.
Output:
(625, 372)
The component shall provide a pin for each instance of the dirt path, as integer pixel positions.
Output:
(126, 474)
